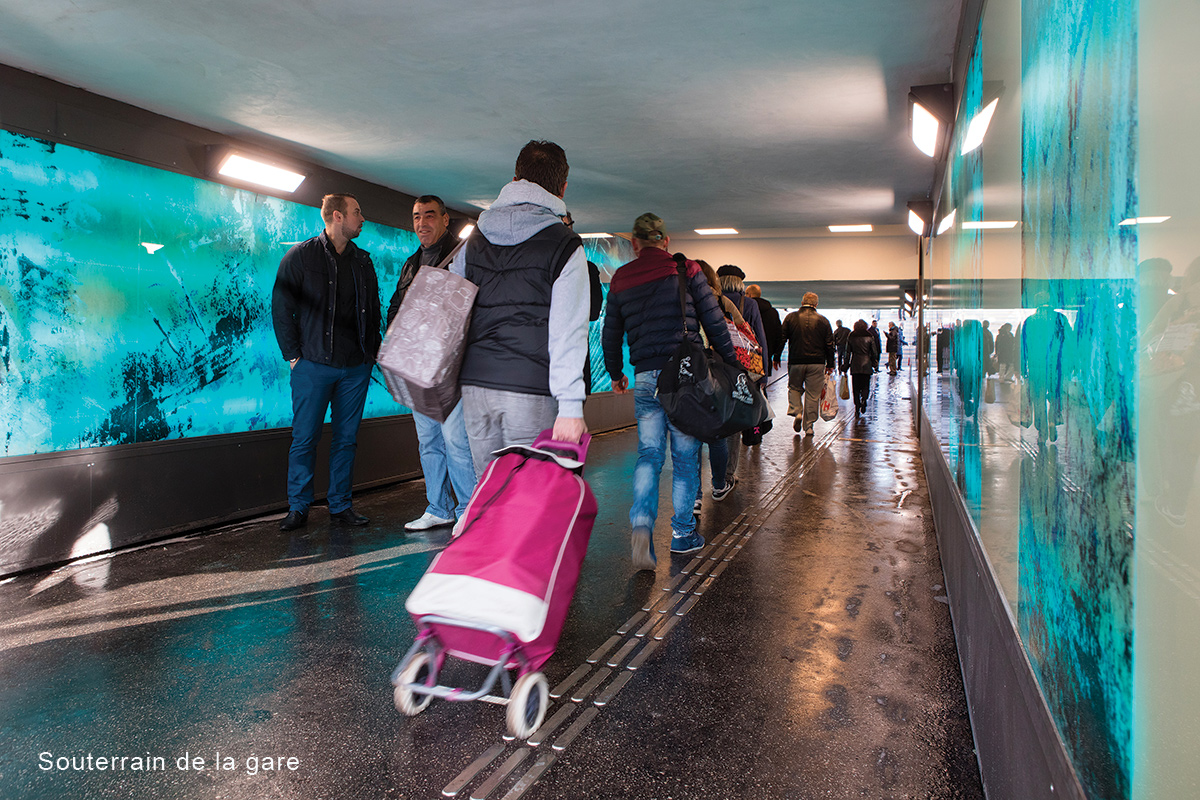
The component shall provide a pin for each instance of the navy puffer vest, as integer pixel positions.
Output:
(508, 345)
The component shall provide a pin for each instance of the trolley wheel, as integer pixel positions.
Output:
(407, 701)
(527, 704)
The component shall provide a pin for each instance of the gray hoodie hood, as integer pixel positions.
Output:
(521, 210)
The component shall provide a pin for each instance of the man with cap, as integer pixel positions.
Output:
(522, 370)
(644, 307)
(810, 359)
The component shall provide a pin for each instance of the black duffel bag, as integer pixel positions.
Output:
(702, 395)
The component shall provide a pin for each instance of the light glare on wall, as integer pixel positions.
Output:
(946, 222)
(978, 127)
(241, 168)
(1143, 220)
(989, 225)
(850, 228)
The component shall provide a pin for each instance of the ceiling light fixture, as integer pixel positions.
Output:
(850, 229)
(1143, 220)
(990, 225)
(946, 223)
(240, 167)
(716, 231)
(930, 115)
(595, 236)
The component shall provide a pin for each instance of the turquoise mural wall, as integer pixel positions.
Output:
(135, 303)
(1080, 161)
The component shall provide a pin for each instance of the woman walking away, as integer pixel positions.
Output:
(862, 353)
(719, 461)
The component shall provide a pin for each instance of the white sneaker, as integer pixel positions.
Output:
(427, 521)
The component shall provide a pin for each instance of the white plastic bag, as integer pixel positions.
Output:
(829, 398)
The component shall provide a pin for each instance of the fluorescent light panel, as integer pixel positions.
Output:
(466, 231)
(850, 229)
(716, 231)
(595, 236)
(978, 127)
(1143, 220)
(924, 130)
(981, 225)
(246, 169)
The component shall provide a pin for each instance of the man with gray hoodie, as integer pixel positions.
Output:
(522, 370)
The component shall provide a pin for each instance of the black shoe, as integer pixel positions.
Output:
(349, 517)
(294, 520)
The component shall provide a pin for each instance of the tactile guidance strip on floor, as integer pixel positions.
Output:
(594, 684)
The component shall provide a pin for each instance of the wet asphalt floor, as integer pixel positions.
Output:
(806, 653)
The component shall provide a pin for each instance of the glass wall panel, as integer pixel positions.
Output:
(1035, 326)
(1167, 561)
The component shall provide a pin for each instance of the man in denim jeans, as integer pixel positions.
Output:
(325, 308)
(443, 446)
(644, 305)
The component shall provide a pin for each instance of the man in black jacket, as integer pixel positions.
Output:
(810, 359)
(325, 308)
(443, 446)
(644, 304)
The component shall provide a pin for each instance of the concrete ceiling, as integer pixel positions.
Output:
(787, 114)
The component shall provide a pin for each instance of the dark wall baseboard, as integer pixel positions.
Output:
(1021, 754)
(146, 491)
(142, 492)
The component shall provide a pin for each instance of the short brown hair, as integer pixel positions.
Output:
(809, 299)
(334, 202)
(545, 164)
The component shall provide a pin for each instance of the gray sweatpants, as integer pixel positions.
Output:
(496, 418)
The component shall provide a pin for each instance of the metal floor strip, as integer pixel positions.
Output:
(564, 741)
(497, 777)
(593, 682)
(530, 777)
(570, 680)
(551, 725)
(455, 786)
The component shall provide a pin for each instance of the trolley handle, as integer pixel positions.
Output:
(545, 441)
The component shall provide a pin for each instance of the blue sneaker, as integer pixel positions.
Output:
(686, 543)
(643, 549)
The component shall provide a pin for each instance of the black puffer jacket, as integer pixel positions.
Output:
(810, 338)
(643, 302)
(304, 301)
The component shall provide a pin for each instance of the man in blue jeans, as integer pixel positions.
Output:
(325, 307)
(443, 446)
(644, 305)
